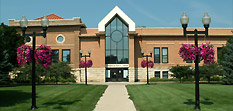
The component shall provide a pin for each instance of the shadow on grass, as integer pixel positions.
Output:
(13, 97)
(206, 101)
(60, 103)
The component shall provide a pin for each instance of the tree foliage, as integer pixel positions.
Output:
(227, 63)
(60, 70)
(208, 71)
(181, 72)
(9, 41)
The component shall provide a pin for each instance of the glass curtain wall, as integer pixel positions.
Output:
(117, 43)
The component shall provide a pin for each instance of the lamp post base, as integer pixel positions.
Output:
(34, 107)
(197, 108)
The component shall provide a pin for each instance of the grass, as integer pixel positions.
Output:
(180, 97)
(51, 97)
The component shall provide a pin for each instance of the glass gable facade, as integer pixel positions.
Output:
(117, 43)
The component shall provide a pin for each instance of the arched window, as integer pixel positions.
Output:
(117, 43)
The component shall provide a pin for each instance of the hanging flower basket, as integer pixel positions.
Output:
(24, 54)
(42, 55)
(207, 53)
(82, 64)
(188, 52)
(150, 63)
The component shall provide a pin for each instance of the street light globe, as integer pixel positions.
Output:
(44, 22)
(184, 19)
(23, 22)
(206, 19)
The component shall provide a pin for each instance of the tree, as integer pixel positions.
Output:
(9, 41)
(227, 63)
(5, 67)
(181, 72)
(208, 71)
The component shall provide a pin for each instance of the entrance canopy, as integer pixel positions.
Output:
(119, 12)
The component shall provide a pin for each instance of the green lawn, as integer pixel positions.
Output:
(180, 97)
(51, 97)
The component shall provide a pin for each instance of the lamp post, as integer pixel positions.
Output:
(89, 55)
(142, 52)
(206, 21)
(23, 24)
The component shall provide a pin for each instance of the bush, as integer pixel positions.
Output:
(181, 72)
(209, 71)
(66, 80)
(162, 79)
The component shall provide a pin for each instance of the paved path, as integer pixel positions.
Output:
(115, 98)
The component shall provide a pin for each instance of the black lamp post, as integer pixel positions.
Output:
(206, 21)
(89, 55)
(142, 51)
(24, 23)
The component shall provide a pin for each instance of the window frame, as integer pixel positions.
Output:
(159, 54)
(155, 74)
(164, 55)
(167, 74)
(53, 56)
(124, 50)
(219, 49)
(62, 37)
(63, 56)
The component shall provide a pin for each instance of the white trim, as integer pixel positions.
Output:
(160, 43)
(204, 43)
(27, 43)
(63, 38)
(110, 15)
(116, 65)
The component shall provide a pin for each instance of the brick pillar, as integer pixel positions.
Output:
(101, 55)
(76, 48)
(131, 36)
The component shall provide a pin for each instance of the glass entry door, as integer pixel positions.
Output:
(116, 75)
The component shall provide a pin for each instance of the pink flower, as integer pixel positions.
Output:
(150, 63)
(189, 51)
(82, 64)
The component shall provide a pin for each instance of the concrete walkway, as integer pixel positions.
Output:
(115, 98)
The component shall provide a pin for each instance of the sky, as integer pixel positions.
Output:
(149, 13)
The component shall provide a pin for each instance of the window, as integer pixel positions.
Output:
(55, 55)
(157, 74)
(164, 55)
(66, 55)
(157, 55)
(219, 54)
(165, 74)
(116, 43)
(60, 39)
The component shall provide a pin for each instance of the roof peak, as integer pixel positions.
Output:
(50, 17)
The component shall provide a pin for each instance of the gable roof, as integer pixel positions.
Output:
(111, 14)
(50, 17)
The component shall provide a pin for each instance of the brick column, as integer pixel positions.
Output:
(76, 49)
(131, 36)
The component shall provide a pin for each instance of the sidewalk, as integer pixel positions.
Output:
(115, 98)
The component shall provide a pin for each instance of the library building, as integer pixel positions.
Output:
(116, 46)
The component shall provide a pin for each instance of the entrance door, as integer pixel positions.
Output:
(116, 75)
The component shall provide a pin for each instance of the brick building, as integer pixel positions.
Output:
(116, 46)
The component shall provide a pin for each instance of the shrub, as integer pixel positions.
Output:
(181, 72)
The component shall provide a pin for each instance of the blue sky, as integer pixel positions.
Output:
(149, 13)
